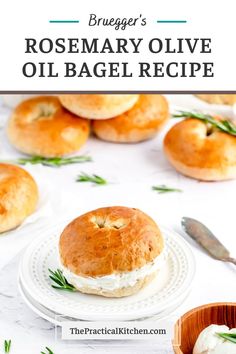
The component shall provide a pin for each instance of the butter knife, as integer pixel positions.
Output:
(205, 238)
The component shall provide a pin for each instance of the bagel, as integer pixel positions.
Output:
(200, 152)
(141, 122)
(228, 99)
(41, 126)
(112, 251)
(18, 196)
(98, 106)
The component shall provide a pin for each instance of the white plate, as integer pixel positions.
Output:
(41, 310)
(58, 320)
(172, 282)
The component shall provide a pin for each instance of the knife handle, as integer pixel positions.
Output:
(231, 260)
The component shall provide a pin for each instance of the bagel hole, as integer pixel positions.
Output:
(43, 111)
(102, 223)
(209, 130)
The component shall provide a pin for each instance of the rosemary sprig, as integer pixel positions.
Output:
(164, 189)
(49, 351)
(84, 177)
(58, 278)
(231, 337)
(53, 161)
(224, 125)
(7, 346)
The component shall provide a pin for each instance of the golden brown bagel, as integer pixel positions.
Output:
(195, 151)
(228, 99)
(41, 126)
(109, 242)
(18, 196)
(141, 122)
(98, 106)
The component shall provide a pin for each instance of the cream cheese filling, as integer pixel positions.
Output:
(116, 280)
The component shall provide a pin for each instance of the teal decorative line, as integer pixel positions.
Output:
(63, 21)
(171, 21)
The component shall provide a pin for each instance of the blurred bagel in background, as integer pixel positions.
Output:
(18, 196)
(141, 122)
(41, 126)
(228, 99)
(98, 106)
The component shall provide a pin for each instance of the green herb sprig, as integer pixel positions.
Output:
(49, 351)
(53, 161)
(231, 337)
(223, 125)
(164, 189)
(84, 177)
(58, 278)
(7, 346)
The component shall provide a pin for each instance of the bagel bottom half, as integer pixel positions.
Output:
(121, 292)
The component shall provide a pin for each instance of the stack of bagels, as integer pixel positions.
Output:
(52, 126)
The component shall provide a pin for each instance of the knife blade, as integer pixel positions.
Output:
(205, 238)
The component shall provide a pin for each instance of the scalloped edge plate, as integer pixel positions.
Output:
(172, 282)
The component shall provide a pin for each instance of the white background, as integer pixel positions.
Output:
(20, 19)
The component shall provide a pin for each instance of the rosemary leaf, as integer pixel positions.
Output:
(164, 189)
(84, 177)
(53, 161)
(61, 283)
(223, 125)
(7, 346)
(49, 351)
(231, 337)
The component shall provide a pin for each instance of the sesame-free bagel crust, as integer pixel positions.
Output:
(110, 240)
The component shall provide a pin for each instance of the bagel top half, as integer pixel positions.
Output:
(200, 151)
(94, 106)
(108, 241)
(41, 126)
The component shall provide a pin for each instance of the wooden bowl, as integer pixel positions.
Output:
(190, 325)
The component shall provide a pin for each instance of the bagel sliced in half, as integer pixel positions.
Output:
(112, 251)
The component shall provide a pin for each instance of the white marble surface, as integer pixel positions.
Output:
(132, 170)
